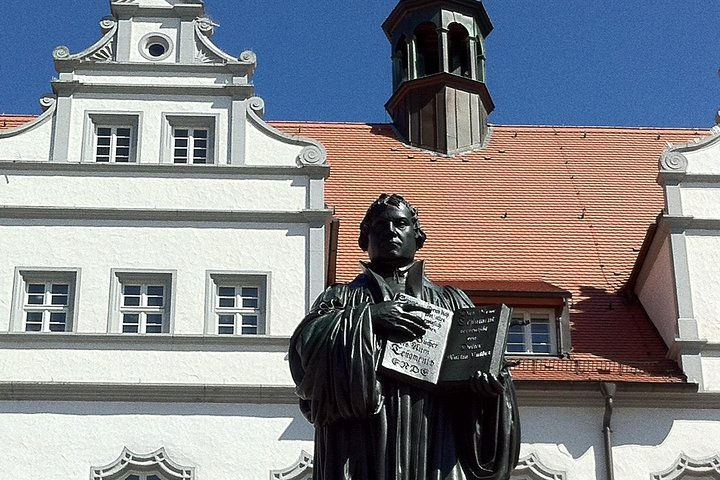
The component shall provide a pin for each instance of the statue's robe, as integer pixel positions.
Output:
(371, 427)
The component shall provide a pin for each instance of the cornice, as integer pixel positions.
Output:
(239, 68)
(538, 393)
(66, 88)
(313, 171)
(681, 223)
(441, 79)
(138, 392)
(159, 342)
(158, 215)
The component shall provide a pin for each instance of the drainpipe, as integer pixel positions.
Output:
(608, 392)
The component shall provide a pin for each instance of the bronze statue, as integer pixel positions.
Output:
(372, 427)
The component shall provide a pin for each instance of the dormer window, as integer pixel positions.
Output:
(533, 330)
(540, 322)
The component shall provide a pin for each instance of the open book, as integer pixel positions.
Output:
(455, 346)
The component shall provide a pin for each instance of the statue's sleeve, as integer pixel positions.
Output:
(332, 358)
(489, 427)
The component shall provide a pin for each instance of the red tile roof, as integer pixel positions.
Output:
(12, 121)
(569, 206)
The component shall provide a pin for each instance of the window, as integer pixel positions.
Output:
(189, 139)
(46, 302)
(532, 331)
(143, 477)
(459, 47)
(113, 144)
(190, 145)
(427, 48)
(238, 304)
(111, 138)
(143, 303)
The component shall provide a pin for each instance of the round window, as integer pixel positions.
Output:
(155, 46)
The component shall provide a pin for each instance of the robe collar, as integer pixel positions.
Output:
(381, 291)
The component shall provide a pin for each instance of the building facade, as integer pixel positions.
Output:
(162, 241)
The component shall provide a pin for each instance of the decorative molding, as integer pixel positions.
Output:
(531, 468)
(206, 26)
(686, 466)
(302, 469)
(162, 169)
(257, 105)
(101, 51)
(49, 105)
(157, 342)
(140, 393)
(673, 161)
(208, 52)
(313, 153)
(155, 462)
(141, 214)
(70, 87)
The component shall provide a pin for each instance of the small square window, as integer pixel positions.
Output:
(143, 303)
(46, 301)
(238, 304)
(191, 139)
(114, 144)
(532, 331)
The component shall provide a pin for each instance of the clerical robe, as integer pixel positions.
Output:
(372, 427)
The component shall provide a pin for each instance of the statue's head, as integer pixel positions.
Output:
(391, 231)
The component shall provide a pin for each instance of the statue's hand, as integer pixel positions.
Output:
(486, 385)
(398, 321)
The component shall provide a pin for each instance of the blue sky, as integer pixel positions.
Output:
(549, 62)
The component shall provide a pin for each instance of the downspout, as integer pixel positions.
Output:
(608, 392)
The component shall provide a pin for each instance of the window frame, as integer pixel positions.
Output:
(121, 278)
(217, 279)
(25, 276)
(97, 120)
(173, 122)
(553, 324)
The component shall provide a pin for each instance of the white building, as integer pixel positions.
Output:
(161, 242)
(136, 220)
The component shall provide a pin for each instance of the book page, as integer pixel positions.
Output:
(421, 358)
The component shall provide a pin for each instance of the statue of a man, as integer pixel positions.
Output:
(372, 427)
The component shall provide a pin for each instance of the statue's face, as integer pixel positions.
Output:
(391, 237)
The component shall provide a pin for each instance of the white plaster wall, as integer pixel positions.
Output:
(264, 149)
(705, 160)
(645, 439)
(649, 440)
(211, 192)
(30, 144)
(711, 373)
(153, 134)
(223, 442)
(657, 294)
(701, 201)
(87, 364)
(564, 439)
(190, 250)
(142, 27)
(703, 253)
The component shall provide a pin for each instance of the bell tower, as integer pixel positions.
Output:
(440, 101)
